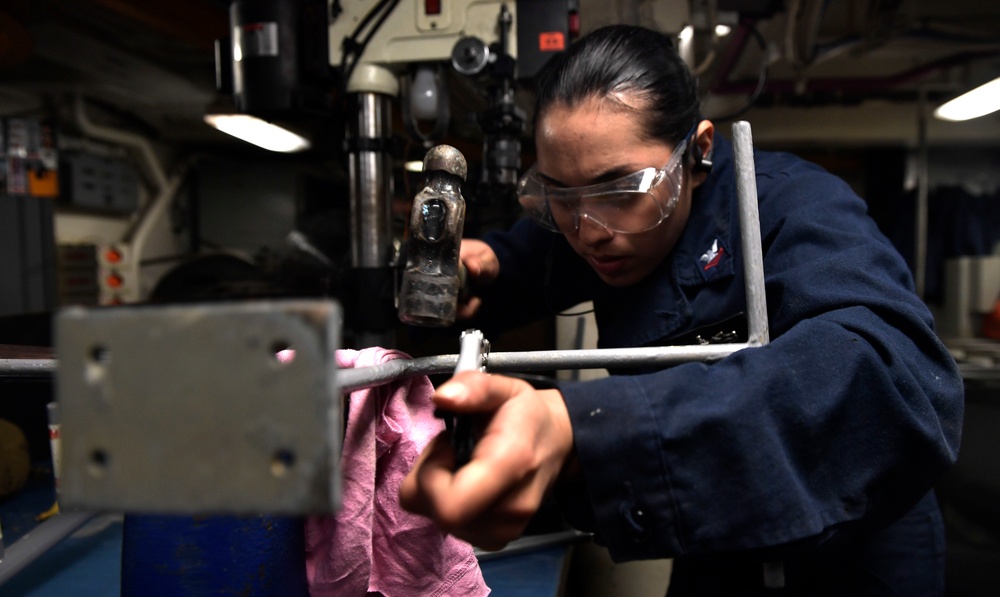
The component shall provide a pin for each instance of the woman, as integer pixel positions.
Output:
(805, 464)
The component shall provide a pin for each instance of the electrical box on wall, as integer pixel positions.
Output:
(95, 274)
(100, 183)
(29, 158)
(117, 283)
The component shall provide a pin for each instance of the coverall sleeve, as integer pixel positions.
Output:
(529, 287)
(844, 421)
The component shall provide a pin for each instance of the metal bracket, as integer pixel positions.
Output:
(201, 408)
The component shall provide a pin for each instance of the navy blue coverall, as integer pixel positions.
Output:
(818, 450)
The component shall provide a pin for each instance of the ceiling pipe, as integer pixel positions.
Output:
(164, 185)
(147, 155)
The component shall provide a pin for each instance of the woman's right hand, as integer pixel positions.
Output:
(482, 267)
(525, 446)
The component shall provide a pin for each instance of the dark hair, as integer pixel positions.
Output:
(630, 61)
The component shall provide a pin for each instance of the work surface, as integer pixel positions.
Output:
(89, 562)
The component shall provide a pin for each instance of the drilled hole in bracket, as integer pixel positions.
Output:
(282, 351)
(282, 463)
(99, 462)
(99, 354)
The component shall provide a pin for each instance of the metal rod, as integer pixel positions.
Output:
(497, 362)
(753, 261)
(543, 360)
(27, 367)
(30, 547)
(350, 380)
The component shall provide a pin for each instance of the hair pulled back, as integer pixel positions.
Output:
(629, 62)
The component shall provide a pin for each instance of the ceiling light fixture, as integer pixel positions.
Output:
(258, 132)
(981, 101)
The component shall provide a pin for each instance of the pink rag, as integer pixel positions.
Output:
(372, 544)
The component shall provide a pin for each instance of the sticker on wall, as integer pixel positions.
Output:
(551, 41)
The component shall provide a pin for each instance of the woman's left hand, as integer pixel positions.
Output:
(525, 444)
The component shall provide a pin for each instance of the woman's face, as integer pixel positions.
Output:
(598, 141)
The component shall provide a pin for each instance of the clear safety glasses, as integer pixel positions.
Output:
(627, 204)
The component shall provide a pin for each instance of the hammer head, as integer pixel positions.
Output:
(429, 291)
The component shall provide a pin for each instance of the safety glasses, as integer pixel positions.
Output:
(634, 203)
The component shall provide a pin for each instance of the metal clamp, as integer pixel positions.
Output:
(471, 357)
(473, 350)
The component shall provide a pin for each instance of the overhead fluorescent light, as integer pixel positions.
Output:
(981, 101)
(258, 132)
